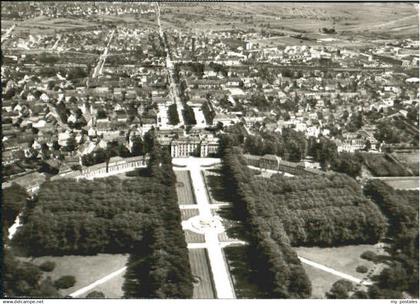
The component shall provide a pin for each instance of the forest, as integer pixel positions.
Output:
(160, 267)
(278, 270)
(401, 209)
(319, 210)
(304, 211)
(24, 279)
(14, 199)
(139, 215)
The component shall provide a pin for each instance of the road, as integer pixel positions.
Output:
(99, 67)
(7, 34)
(173, 89)
(210, 227)
(56, 43)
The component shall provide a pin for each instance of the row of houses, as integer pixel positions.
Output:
(273, 162)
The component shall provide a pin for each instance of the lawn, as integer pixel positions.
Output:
(215, 188)
(344, 259)
(383, 165)
(111, 289)
(321, 281)
(403, 182)
(86, 270)
(184, 188)
(203, 285)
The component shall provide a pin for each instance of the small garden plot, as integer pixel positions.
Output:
(200, 268)
(188, 213)
(193, 237)
(184, 188)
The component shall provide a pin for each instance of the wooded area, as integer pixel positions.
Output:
(302, 211)
(401, 209)
(277, 268)
(139, 216)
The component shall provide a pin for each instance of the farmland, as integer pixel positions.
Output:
(351, 23)
(184, 188)
(203, 285)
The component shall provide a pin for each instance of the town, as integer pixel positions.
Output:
(106, 103)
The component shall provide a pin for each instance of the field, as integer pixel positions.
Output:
(203, 285)
(409, 159)
(184, 188)
(403, 182)
(383, 165)
(86, 270)
(43, 25)
(353, 22)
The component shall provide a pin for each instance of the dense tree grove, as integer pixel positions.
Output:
(14, 199)
(291, 145)
(401, 209)
(278, 269)
(282, 212)
(159, 266)
(24, 279)
(208, 113)
(173, 114)
(320, 210)
(189, 115)
(139, 216)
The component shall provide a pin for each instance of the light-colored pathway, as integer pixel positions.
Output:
(271, 171)
(220, 272)
(334, 272)
(106, 278)
(15, 226)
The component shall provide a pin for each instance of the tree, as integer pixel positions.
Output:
(368, 255)
(347, 163)
(173, 114)
(65, 282)
(361, 269)
(95, 295)
(47, 266)
(14, 199)
(340, 290)
(137, 147)
(71, 143)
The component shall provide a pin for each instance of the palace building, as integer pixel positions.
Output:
(201, 146)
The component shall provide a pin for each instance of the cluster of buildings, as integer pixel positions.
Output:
(71, 93)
